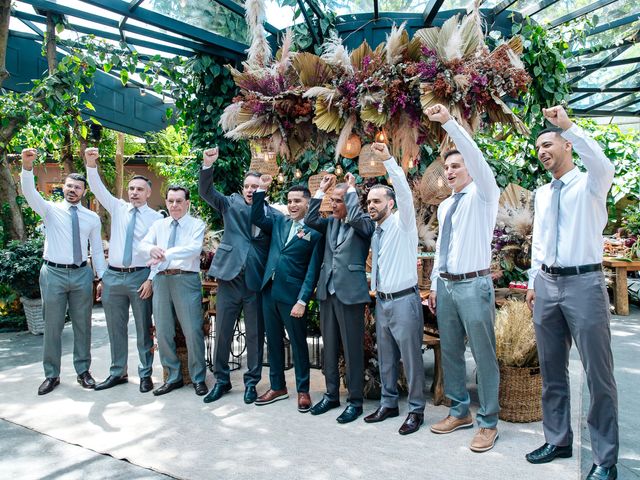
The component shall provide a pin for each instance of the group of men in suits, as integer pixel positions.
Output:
(268, 266)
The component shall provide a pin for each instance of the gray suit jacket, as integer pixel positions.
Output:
(346, 261)
(239, 249)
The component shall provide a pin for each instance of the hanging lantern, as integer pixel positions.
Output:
(351, 148)
(298, 173)
(263, 157)
(381, 137)
(339, 171)
(280, 178)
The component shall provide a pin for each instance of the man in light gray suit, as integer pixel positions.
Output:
(239, 266)
(343, 291)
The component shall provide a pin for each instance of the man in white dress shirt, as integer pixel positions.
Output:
(174, 245)
(567, 292)
(66, 281)
(461, 284)
(127, 281)
(394, 276)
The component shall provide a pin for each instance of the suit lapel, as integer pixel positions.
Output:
(284, 233)
(345, 228)
(335, 225)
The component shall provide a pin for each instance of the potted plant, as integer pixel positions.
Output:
(20, 265)
(520, 392)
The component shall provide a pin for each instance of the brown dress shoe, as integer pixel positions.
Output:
(272, 396)
(451, 424)
(382, 413)
(412, 423)
(484, 440)
(86, 380)
(304, 402)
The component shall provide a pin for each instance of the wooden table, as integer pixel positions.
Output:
(620, 293)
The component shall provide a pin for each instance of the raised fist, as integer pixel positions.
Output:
(327, 182)
(350, 179)
(265, 181)
(209, 156)
(380, 151)
(28, 157)
(438, 113)
(91, 156)
(557, 116)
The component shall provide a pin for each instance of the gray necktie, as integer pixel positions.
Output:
(172, 236)
(556, 185)
(375, 252)
(295, 226)
(445, 241)
(342, 231)
(128, 240)
(75, 235)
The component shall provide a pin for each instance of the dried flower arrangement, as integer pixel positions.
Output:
(300, 100)
(515, 336)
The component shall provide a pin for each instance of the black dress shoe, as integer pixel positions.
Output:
(323, 406)
(350, 414)
(382, 413)
(412, 423)
(112, 381)
(146, 384)
(200, 388)
(548, 452)
(48, 385)
(218, 390)
(86, 380)
(598, 472)
(168, 387)
(250, 395)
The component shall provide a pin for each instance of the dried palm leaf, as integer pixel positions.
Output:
(414, 49)
(428, 37)
(449, 46)
(503, 114)
(327, 118)
(258, 127)
(396, 45)
(471, 35)
(312, 70)
(344, 134)
(358, 55)
(515, 44)
(229, 118)
(371, 114)
(324, 93)
(428, 98)
(515, 196)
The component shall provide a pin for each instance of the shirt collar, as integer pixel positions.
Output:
(570, 175)
(180, 220)
(68, 205)
(130, 207)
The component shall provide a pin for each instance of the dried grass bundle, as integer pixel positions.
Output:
(336, 54)
(515, 336)
(259, 52)
(397, 42)
(519, 220)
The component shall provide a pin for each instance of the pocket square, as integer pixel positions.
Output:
(307, 237)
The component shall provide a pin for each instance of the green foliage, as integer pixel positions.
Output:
(20, 266)
(631, 219)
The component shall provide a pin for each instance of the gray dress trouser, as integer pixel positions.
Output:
(180, 294)
(61, 288)
(576, 307)
(399, 331)
(120, 289)
(233, 297)
(467, 308)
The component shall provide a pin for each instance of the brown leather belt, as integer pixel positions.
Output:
(456, 277)
(577, 270)
(64, 265)
(126, 270)
(174, 271)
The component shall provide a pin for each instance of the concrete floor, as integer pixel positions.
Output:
(29, 454)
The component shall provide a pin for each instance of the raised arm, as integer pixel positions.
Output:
(258, 218)
(27, 182)
(358, 220)
(206, 190)
(313, 217)
(191, 249)
(106, 199)
(474, 160)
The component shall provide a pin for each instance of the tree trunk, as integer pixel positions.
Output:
(5, 14)
(120, 165)
(52, 59)
(66, 155)
(12, 217)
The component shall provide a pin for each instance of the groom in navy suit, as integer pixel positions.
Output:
(289, 279)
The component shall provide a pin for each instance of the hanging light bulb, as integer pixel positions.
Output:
(440, 182)
(352, 147)
(298, 173)
(411, 163)
(280, 178)
(339, 171)
(381, 136)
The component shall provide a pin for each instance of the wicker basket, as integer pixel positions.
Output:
(368, 165)
(520, 394)
(314, 183)
(433, 186)
(425, 266)
(33, 312)
(183, 356)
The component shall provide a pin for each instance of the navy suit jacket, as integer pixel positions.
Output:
(292, 267)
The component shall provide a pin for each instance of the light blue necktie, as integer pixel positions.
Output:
(75, 235)
(556, 185)
(445, 241)
(375, 253)
(172, 236)
(128, 241)
(295, 226)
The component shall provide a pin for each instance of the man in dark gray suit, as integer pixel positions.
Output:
(239, 266)
(343, 291)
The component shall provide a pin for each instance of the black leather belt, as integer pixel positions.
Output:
(401, 293)
(456, 277)
(64, 265)
(126, 270)
(564, 271)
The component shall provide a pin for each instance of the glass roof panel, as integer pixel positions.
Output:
(208, 15)
(588, 59)
(525, 7)
(634, 97)
(347, 7)
(631, 52)
(280, 17)
(592, 100)
(415, 6)
(612, 36)
(603, 76)
(614, 11)
(630, 82)
(560, 9)
(455, 4)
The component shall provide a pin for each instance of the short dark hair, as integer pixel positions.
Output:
(388, 191)
(300, 188)
(450, 152)
(78, 177)
(556, 130)
(141, 177)
(251, 173)
(341, 186)
(177, 188)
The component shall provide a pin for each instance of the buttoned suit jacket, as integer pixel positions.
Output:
(292, 267)
(238, 250)
(345, 260)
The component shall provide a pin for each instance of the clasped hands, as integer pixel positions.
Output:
(157, 256)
